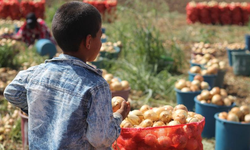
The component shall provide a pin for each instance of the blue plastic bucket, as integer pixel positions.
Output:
(241, 63)
(103, 30)
(186, 98)
(210, 79)
(247, 41)
(220, 78)
(229, 54)
(194, 64)
(111, 55)
(208, 111)
(231, 135)
(45, 47)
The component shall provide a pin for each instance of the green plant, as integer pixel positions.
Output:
(7, 54)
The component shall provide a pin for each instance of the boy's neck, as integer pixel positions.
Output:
(77, 55)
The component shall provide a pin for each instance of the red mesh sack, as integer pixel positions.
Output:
(39, 9)
(225, 13)
(14, 8)
(4, 9)
(204, 13)
(26, 7)
(214, 12)
(236, 13)
(192, 13)
(245, 7)
(178, 137)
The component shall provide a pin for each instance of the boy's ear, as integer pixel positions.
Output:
(88, 41)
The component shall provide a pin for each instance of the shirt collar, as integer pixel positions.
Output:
(75, 61)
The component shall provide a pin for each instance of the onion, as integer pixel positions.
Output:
(165, 116)
(158, 124)
(116, 86)
(146, 123)
(180, 115)
(196, 82)
(227, 102)
(115, 80)
(173, 123)
(195, 69)
(215, 90)
(150, 139)
(137, 113)
(133, 119)
(199, 97)
(168, 108)
(232, 117)
(188, 83)
(203, 101)
(194, 88)
(180, 106)
(192, 144)
(108, 77)
(223, 115)
(204, 85)
(180, 141)
(199, 78)
(150, 114)
(126, 124)
(223, 92)
(144, 108)
(217, 99)
(164, 142)
(245, 109)
(159, 110)
(116, 103)
(236, 111)
(191, 119)
(191, 114)
(198, 116)
(180, 84)
(125, 85)
(205, 94)
(185, 89)
(104, 72)
(247, 118)
(203, 72)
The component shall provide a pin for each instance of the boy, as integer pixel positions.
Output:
(68, 101)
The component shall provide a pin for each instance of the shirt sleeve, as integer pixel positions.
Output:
(15, 92)
(103, 125)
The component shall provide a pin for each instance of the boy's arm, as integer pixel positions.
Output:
(103, 124)
(15, 92)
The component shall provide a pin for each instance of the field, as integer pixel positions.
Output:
(148, 29)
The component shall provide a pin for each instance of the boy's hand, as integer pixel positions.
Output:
(125, 109)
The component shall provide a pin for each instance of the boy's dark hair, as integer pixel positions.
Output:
(73, 22)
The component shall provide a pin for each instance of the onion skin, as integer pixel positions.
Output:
(116, 103)
(232, 117)
(223, 115)
(144, 108)
(245, 109)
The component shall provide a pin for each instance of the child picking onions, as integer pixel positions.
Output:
(68, 102)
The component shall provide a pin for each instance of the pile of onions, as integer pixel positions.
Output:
(192, 86)
(217, 96)
(114, 83)
(6, 76)
(203, 48)
(7, 122)
(109, 46)
(209, 60)
(236, 46)
(237, 114)
(160, 116)
(210, 70)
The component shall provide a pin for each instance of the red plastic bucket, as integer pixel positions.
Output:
(24, 129)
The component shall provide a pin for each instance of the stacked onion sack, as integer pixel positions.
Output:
(161, 128)
(237, 114)
(217, 96)
(117, 87)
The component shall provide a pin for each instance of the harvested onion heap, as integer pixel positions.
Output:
(160, 116)
(216, 96)
(6, 123)
(209, 60)
(210, 70)
(237, 114)
(196, 85)
(203, 48)
(6, 76)
(236, 46)
(109, 46)
(114, 83)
